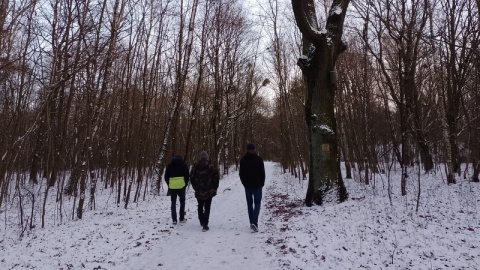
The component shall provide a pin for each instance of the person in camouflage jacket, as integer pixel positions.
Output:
(204, 177)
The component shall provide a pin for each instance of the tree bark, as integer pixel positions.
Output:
(321, 49)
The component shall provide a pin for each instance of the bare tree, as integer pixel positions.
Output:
(321, 48)
(183, 52)
(201, 66)
(399, 28)
(17, 118)
(361, 114)
(281, 45)
(455, 69)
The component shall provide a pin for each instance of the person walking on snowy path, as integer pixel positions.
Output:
(252, 175)
(177, 177)
(204, 177)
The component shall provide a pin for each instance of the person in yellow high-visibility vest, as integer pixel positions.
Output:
(177, 177)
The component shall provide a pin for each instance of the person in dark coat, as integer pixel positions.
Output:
(177, 177)
(204, 177)
(252, 175)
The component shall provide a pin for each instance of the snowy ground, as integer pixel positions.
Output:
(366, 232)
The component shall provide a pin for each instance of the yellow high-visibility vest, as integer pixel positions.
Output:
(176, 182)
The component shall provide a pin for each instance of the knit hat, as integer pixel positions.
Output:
(204, 155)
(176, 158)
(250, 146)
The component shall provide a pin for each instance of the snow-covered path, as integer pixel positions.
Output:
(142, 236)
(229, 244)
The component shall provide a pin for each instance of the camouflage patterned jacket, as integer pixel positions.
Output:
(204, 178)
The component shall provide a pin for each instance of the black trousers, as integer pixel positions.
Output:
(204, 210)
(181, 195)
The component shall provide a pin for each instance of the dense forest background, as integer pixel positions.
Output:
(104, 92)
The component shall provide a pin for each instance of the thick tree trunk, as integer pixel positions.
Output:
(320, 123)
(476, 171)
(321, 49)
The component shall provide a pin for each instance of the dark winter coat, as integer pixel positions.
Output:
(176, 170)
(204, 177)
(252, 170)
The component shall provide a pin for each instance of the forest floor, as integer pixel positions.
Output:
(368, 231)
